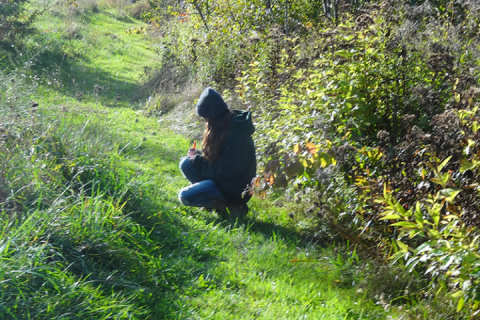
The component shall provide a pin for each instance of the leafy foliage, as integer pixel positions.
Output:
(14, 22)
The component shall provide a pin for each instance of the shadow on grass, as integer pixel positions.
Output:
(146, 253)
(269, 230)
(156, 259)
(84, 66)
(83, 82)
(122, 18)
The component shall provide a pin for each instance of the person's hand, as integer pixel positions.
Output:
(192, 152)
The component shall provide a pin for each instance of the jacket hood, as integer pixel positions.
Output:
(242, 120)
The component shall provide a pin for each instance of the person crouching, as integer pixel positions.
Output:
(221, 172)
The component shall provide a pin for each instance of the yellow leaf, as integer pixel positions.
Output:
(391, 217)
(298, 148)
(323, 162)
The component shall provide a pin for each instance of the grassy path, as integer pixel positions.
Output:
(151, 258)
(195, 266)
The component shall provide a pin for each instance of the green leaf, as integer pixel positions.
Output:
(466, 165)
(436, 219)
(448, 262)
(396, 256)
(400, 209)
(411, 260)
(452, 196)
(430, 269)
(447, 194)
(444, 193)
(466, 284)
(443, 164)
(414, 232)
(418, 215)
(405, 224)
(461, 302)
(470, 258)
(424, 247)
(438, 181)
(403, 246)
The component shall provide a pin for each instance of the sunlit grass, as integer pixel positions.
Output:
(93, 54)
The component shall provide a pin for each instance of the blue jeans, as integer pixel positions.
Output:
(201, 192)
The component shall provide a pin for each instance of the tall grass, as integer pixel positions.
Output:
(58, 199)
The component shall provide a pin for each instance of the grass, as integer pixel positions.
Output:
(92, 228)
(90, 56)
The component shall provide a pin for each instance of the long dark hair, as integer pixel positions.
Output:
(214, 134)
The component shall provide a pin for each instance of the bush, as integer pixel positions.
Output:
(399, 118)
(138, 9)
(14, 24)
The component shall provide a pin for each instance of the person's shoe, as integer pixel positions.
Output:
(231, 211)
(220, 207)
(238, 210)
(219, 204)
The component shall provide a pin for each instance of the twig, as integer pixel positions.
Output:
(195, 3)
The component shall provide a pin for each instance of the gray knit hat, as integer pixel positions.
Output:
(210, 104)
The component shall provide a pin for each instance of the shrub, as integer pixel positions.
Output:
(138, 9)
(14, 23)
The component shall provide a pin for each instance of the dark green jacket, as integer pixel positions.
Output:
(237, 164)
